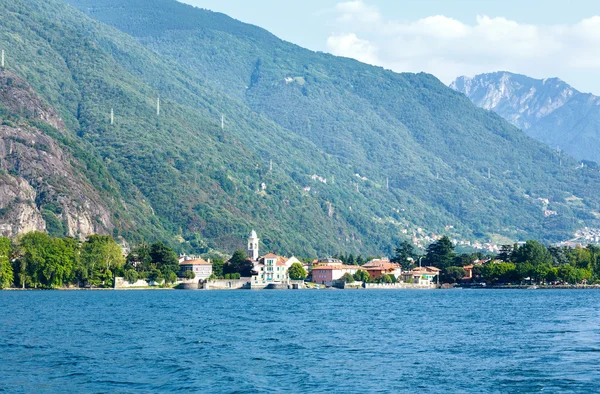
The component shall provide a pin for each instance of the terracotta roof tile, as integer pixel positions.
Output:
(195, 262)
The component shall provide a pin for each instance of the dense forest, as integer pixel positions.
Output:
(318, 153)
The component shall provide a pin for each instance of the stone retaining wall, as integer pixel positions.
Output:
(398, 286)
(227, 284)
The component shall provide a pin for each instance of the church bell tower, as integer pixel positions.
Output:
(253, 246)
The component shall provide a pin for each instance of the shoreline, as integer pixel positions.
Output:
(519, 287)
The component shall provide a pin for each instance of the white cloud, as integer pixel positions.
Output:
(349, 45)
(448, 48)
(357, 11)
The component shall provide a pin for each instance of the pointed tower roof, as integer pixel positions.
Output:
(253, 234)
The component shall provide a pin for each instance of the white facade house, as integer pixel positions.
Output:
(201, 268)
(270, 269)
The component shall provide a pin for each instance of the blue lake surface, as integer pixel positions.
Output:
(471, 341)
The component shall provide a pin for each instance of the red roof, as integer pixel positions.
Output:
(337, 267)
(195, 262)
(382, 267)
(381, 264)
(270, 256)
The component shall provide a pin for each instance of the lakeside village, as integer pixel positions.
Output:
(271, 271)
(38, 261)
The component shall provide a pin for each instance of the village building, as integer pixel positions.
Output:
(326, 274)
(200, 267)
(469, 275)
(380, 267)
(422, 276)
(327, 261)
(269, 269)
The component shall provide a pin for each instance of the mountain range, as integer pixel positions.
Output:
(548, 110)
(319, 154)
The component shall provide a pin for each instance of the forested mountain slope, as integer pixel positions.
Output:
(293, 118)
(548, 110)
(447, 163)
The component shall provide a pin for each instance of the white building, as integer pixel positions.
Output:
(201, 268)
(252, 250)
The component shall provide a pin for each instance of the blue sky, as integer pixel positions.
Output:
(447, 38)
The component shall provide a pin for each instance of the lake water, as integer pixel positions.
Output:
(470, 341)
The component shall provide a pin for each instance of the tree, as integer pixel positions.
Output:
(441, 254)
(239, 263)
(131, 276)
(140, 257)
(499, 272)
(164, 257)
(155, 276)
(189, 274)
(297, 272)
(217, 267)
(505, 253)
(566, 273)
(532, 252)
(525, 271)
(347, 278)
(559, 256)
(6, 270)
(99, 254)
(362, 276)
(45, 261)
(543, 273)
(453, 274)
(170, 277)
(385, 278)
(405, 254)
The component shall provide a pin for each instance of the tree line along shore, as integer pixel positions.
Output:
(39, 261)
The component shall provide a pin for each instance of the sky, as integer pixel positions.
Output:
(447, 38)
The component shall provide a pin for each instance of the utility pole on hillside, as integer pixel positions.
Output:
(112, 116)
(222, 122)
(158, 106)
(2, 63)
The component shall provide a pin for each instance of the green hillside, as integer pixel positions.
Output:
(289, 114)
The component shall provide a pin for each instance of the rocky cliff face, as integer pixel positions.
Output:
(19, 99)
(549, 109)
(40, 186)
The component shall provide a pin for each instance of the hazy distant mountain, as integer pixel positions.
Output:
(320, 154)
(549, 110)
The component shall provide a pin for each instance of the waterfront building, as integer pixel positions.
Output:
(272, 269)
(326, 274)
(200, 267)
(327, 261)
(379, 267)
(423, 276)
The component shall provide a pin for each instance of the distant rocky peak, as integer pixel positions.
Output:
(519, 99)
